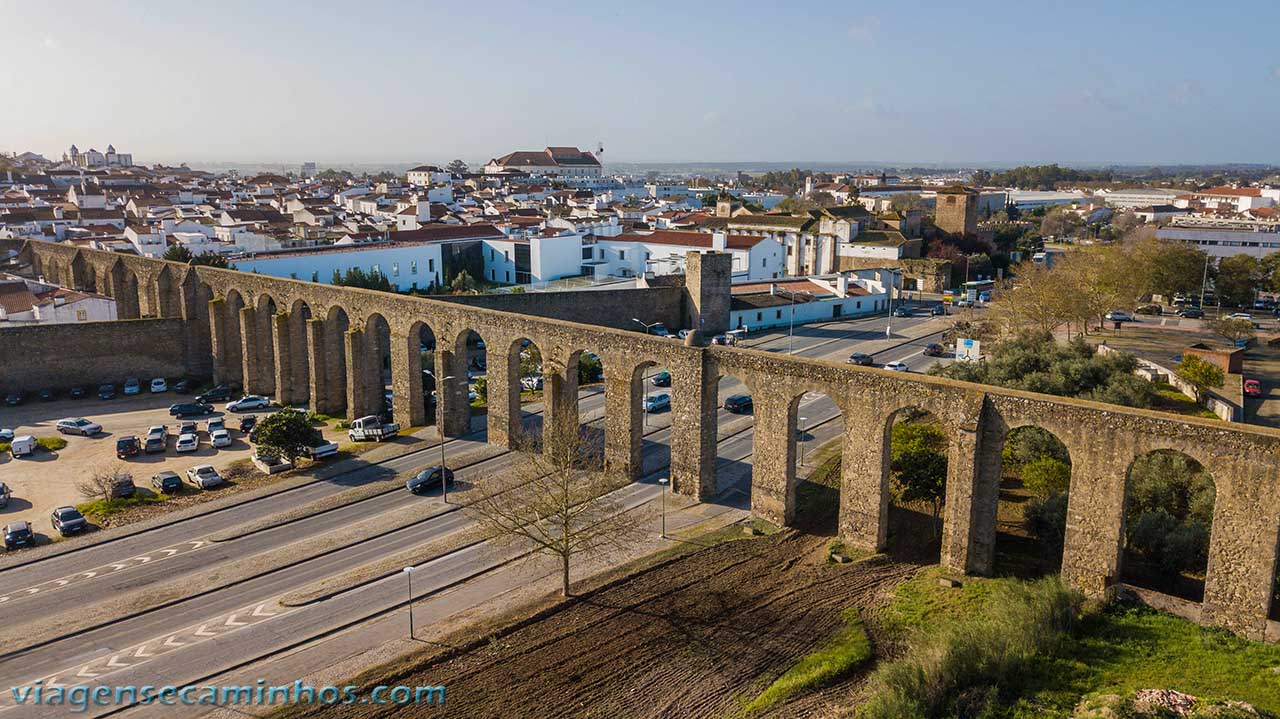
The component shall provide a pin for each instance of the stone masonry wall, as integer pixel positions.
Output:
(605, 308)
(91, 353)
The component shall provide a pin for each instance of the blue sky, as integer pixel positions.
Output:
(929, 82)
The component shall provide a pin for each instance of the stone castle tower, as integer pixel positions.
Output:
(957, 210)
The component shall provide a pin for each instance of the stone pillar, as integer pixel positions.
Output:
(324, 393)
(453, 408)
(1095, 514)
(335, 363)
(266, 355)
(359, 402)
(218, 340)
(694, 404)
(624, 421)
(864, 480)
(960, 507)
(299, 368)
(773, 460)
(504, 394)
(559, 403)
(286, 391)
(707, 280)
(406, 381)
(249, 351)
(1242, 547)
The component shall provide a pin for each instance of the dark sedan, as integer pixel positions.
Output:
(428, 479)
(738, 404)
(68, 521)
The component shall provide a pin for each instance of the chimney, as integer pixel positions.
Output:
(773, 288)
(719, 241)
(842, 285)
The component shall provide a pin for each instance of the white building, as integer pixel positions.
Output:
(663, 252)
(24, 301)
(758, 306)
(531, 258)
(568, 162)
(1224, 238)
(1137, 197)
(427, 175)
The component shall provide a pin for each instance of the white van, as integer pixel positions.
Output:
(23, 445)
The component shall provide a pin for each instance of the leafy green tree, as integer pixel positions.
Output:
(1232, 330)
(1200, 374)
(589, 369)
(456, 167)
(918, 461)
(1239, 276)
(462, 283)
(1169, 511)
(482, 390)
(1046, 476)
(177, 253)
(287, 432)
(1028, 444)
(905, 201)
(1046, 519)
(209, 259)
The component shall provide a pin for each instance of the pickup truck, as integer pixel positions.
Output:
(372, 429)
(322, 449)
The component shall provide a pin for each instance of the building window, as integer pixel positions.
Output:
(622, 254)
(508, 275)
(395, 269)
(82, 315)
(759, 317)
(315, 276)
(431, 265)
(780, 314)
(413, 267)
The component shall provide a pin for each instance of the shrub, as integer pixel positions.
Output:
(1169, 511)
(51, 444)
(948, 672)
(1046, 519)
(1046, 476)
(1027, 444)
(4, 447)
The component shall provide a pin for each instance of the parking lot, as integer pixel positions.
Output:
(45, 480)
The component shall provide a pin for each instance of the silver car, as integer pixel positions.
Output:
(78, 425)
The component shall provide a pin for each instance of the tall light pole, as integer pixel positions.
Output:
(645, 325)
(791, 330)
(802, 434)
(888, 290)
(408, 573)
(444, 484)
(1204, 280)
(663, 481)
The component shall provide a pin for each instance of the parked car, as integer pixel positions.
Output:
(901, 311)
(157, 430)
(68, 521)
(662, 379)
(106, 391)
(187, 427)
(190, 409)
(78, 392)
(215, 423)
(1240, 316)
(249, 402)
(738, 404)
(1118, 316)
(933, 349)
(248, 423)
(220, 393)
(372, 429)
(429, 479)
(187, 443)
(938, 310)
(13, 399)
(897, 366)
(182, 386)
(167, 482)
(6, 435)
(122, 487)
(4, 495)
(1253, 388)
(659, 329)
(320, 449)
(1156, 310)
(860, 359)
(78, 425)
(46, 395)
(220, 438)
(657, 402)
(159, 385)
(1191, 313)
(204, 476)
(132, 386)
(127, 447)
(155, 443)
(17, 535)
(683, 333)
(720, 340)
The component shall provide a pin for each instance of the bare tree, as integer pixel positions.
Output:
(558, 503)
(99, 482)
(1232, 330)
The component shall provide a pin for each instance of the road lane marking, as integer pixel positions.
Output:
(112, 568)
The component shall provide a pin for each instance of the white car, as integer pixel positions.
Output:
(897, 366)
(78, 425)
(249, 402)
(6, 435)
(158, 385)
(204, 476)
(1240, 316)
(219, 438)
(188, 442)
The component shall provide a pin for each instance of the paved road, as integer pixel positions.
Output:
(203, 620)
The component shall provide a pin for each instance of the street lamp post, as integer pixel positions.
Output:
(444, 485)
(791, 329)
(888, 325)
(408, 573)
(803, 453)
(645, 325)
(664, 482)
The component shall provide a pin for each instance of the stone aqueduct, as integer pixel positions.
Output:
(314, 343)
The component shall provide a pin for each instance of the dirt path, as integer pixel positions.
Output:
(688, 639)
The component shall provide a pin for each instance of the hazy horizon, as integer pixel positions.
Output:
(931, 84)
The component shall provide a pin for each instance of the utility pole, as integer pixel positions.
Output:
(408, 573)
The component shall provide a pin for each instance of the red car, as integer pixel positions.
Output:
(1253, 388)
